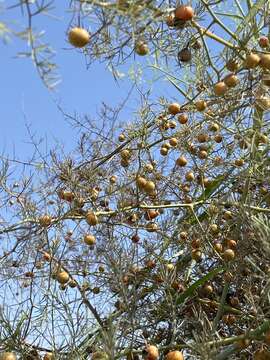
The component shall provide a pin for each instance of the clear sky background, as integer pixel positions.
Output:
(25, 99)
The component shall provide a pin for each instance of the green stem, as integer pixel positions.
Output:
(221, 307)
(208, 33)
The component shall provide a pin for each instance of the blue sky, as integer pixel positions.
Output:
(25, 99)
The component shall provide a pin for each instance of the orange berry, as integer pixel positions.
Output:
(220, 88)
(252, 60)
(229, 255)
(174, 108)
(181, 161)
(152, 352)
(91, 218)
(184, 13)
(78, 37)
(174, 355)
